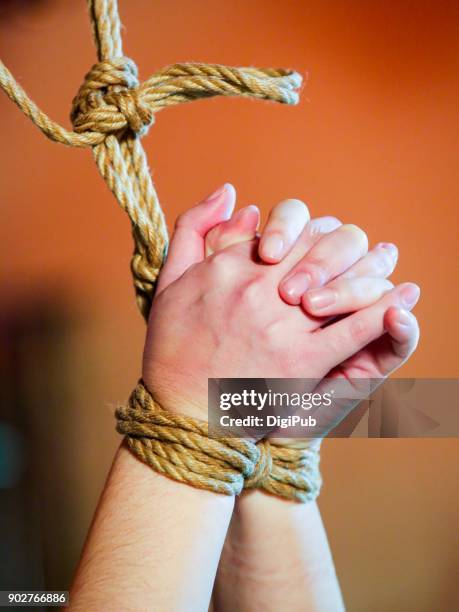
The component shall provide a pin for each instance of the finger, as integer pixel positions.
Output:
(379, 262)
(328, 258)
(245, 229)
(403, 335)
(346, 337)
(319, 226)
(344, 295)
(241, 227)
(187, 242)
(314, 230)
(381, 357)
(285, 223)
(364, 371)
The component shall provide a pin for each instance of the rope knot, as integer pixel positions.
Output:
(262, 468)
(180, 447)
(108, 101)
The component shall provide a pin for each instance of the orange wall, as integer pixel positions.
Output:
(373, 142)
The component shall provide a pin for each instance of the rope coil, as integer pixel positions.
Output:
(179, 447)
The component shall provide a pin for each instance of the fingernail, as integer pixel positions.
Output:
(403, 317)
(213, 197)
(410, 295)
(249, 217)
(272, 247)
(296, 285)
(321, 298)
(250, 209)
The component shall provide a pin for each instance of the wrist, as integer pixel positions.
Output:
(176, 393)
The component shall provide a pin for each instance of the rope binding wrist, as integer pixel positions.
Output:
(179, 447)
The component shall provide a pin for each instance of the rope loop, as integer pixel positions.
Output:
(108, 101)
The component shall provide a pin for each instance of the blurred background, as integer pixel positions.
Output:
(374, 142)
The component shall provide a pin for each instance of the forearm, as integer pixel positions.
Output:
(276, 557)
(154, 543)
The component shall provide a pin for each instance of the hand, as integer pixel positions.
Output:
(333, 274)
(316, 258)
(221, 318)
(361, 284)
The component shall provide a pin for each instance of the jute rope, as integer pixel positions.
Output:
(112, 110)
(110, 113)
(180, 448)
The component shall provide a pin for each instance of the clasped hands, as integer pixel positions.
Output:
(232, 303)
(304, 299)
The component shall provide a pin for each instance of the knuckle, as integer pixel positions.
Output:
(317, 270)
(220, 267)
(213, 236)
(273, 335)
(228, 266)
(323, 225)
(359, 331)
(219, 259)
(182, 219)
(330, 224)
(338, 344)
(359, 235)
(357, 335)
(252, 293)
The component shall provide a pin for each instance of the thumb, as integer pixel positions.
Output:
(187, 245)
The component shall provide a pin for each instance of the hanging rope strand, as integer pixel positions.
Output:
(109, 97)
(110, 113)
(112, 110)
(106, 27)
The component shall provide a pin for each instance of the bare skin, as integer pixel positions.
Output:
(276, 555)
(155, 543)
